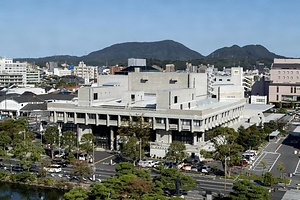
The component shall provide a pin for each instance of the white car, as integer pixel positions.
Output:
(53, 168)
(206, 169)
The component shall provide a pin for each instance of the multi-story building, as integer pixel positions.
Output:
(62, 72)
(89, 73)
(12, 72)
(33, 75)
(175, 105)
(285, 81)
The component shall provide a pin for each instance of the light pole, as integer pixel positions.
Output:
(225, 173)
(93, 163)
(59, 134)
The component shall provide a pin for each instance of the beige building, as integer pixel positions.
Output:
(175, 105)
(285, 81)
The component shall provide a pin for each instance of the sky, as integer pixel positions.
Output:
(37, 28)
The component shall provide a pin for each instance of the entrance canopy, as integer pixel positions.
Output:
(274, 133)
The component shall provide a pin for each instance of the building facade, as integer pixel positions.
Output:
(12, 72)
(89, 73)
(285, 81)
(175, 105)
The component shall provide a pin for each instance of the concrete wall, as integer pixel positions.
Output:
(122, 79)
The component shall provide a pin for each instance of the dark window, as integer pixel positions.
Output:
(277, 89)
(95, 96)
(294, 89)
(277, 98)
(175, 99)
(291, 89)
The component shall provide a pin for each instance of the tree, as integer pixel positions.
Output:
(245, 190)
(87, 143)
(269, 179)
(81, 169)
(126, 168)
(77, 193)
(135, 130)
(51, 137)
(176, 151)
(264, 165)
(99, 191)
(167, 178)
(69, 140)
(225, 147)
(280, 168)
(5, 140)
(27, 152)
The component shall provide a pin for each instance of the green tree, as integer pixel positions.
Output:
(168, 176)
(280, 168)
(245, 190)
(99, 191)
(69, 140)
(131, 149)
(87, 143)
(176, 151)
(269, 179)
(126, 168)
(225, 147)
(5, 140)
(51, 137)
(77, 193)
(137, 129)
(28, 153)
(81, 169)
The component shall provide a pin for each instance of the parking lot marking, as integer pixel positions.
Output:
(274, 162)
(296, 170)
(104, 159)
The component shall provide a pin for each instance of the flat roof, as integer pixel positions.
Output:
(261, 107)
(274, 133)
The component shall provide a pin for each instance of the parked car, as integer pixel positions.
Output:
(17, 169)
(206, 169)
(53, 168)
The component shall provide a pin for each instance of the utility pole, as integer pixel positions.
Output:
(93, 163)
(140, 149)
(225, 171)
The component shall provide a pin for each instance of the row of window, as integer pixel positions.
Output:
(287, 72)
(287, 77)
(158, 120)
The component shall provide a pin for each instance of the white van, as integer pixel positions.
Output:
(53, 168)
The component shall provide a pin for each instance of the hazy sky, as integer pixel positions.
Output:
(38, 28)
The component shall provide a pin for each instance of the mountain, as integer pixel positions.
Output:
(248, 51)
(162, 50)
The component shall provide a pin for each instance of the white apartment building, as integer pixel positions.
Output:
(33, 75)
(12, 72)
(175, 105)
(62, 72)
(89, 73)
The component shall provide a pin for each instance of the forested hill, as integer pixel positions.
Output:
(167, 51)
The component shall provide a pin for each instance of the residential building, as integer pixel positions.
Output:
(12, 73)
(62, 72)
(285, 81)
(88, 73)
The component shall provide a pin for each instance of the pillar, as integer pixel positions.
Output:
(112, 139)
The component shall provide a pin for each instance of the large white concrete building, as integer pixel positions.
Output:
(88, 73)
(12, 72)
(176, 106)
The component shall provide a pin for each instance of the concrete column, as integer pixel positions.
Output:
(167, 124)
(195, 138)
(112, 138)
(75, 118)
(97, 119)
(169, 137)
(86, 118)
(54, 116)
(65, 117)
(157, 137)
(107, 119)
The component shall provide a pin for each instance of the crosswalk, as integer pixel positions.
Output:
(266, 161)
(297, 170)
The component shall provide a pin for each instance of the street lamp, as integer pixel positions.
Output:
(225, 173)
